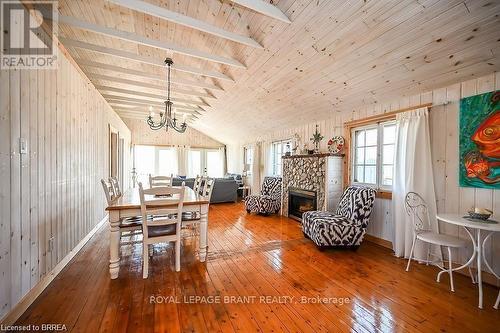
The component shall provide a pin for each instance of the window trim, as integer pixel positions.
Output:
(273, 154)
(379, 125)
(349, 127)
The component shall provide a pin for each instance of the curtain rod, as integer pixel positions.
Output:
(385, 115)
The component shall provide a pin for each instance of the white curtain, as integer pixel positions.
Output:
(256, 172)
(222, 157)
(267, 158)
(412, 172)
(182, 160)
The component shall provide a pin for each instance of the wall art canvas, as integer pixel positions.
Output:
(479, 145)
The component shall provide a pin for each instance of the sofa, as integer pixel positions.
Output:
(225, 189)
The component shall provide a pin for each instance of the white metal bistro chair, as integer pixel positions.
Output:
(160, 181)
(129, 226)
(165, 224)
(417, 209)
(498, 301)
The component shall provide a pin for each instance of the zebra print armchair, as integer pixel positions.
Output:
(269, 200)
(347, 226)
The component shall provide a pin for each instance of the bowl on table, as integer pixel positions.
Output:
(480, 213)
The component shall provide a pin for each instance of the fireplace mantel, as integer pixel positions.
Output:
(312, 155)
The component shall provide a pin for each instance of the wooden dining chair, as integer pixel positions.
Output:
(197, 184)
(206, 193)
(115, 186)
(109, 193)
(165, 224)
(160, 181)
(129, 226)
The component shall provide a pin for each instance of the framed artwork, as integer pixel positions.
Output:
(479, 141)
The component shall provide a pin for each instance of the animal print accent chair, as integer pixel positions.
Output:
(345, 227)
(269, 199)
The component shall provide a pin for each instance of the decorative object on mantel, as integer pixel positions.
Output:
(336, 144)
(166, 119)
(288, 149)
(296, 144)
(316, 138)
(479, 141)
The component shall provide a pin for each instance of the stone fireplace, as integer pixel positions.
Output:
(310, 180)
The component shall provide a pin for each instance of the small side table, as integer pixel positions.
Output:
(245, 191)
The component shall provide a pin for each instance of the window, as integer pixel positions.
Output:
(207, 162)
(154, 160)
(167, 161)
(214, 163)
(373, 154)
(278, 150)
(248, 160)
(194, 163)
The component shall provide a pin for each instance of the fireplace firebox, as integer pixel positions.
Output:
(300, 201)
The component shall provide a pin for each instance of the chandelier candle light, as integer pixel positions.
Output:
(166, 119)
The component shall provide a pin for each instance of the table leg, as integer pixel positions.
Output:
(203, 232)
(114, 244)
(479, 270)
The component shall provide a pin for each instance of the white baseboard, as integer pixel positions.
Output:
(31, 296)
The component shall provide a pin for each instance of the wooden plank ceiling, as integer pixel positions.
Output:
(241, 72)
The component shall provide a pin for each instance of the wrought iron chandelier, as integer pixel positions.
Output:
(166, 119)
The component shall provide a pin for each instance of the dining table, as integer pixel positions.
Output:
(480, 232)
(129, 205)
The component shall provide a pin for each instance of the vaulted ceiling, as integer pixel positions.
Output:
(243, 68)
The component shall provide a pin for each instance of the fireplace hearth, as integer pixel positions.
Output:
(300, 201)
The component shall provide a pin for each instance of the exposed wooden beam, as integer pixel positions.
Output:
(141, 58)
(131, 37)
(161, 77)
(184, 20)
(146, 111)
(143, 116)
(147, 85)
(158, 100)
(144, 106)
(156, 109)
(265, 8)
(143, 94)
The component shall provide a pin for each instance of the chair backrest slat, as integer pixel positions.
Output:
(160, 181)
(208, 188)
(197, 184)
(115, 185)
(170, 209)
(108, 190)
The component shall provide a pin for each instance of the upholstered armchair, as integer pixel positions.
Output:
(269, 199)
(347, 226)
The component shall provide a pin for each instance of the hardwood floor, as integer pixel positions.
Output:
(257, 256)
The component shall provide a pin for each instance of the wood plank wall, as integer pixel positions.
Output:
(51, 197)
(444, 137)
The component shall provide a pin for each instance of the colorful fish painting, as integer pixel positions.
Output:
(480, 141)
